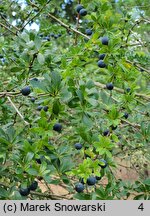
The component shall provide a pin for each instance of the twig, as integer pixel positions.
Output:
(21, 116)
(32, 18)
(136, 23)
(69, 28)
(51, 196)
(138, 66)
(77, 26)
(9, 23)
(1, 24)
(146, 97)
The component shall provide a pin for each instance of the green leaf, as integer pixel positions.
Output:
(65, 95)
(40, 58)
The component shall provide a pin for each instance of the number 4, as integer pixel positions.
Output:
(141, 207)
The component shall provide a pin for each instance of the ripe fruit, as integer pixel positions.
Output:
(82, 181)
(26, 91)
(113, 127)
(33, 186)
(98, 178)
(46, 38)
(24, 191)
(57, 127)
(34, 79)
(45, 108)
(104, 165)
(39, 108)
(78, 146)
(91, 181)
(79, 7)
(105, 40)
(126, 115)
(88, 32)
(109, 86)
(79, 187)
(128, 89)
(101, 56)
(38, 161)
(32, 99)
(106, 132)
(83, 12)
(101, 64)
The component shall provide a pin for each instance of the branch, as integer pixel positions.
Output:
(51, 196)
(131, 124)
(10, 94)
(146, 97)
(77, 27)
(33, 18)
(8, 22)
(138, 66)
(136, 23)
(21, 116)
(1, 24)
(69, 28)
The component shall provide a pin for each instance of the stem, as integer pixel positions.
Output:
(138, 66)
(76, 35)
(146, 97)
(1, 24)
(21, 116)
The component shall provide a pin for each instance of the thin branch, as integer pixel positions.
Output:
(69, 28)
(9, 23)
(51, 196)
(131, 124)
(138, 66)
(32, 18)
(77, 27)
(21, 116)
(146, 97)
(136, 23)
(1, 24)
(3, 94)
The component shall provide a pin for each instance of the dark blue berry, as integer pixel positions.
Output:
(26, 91)
(104, 165)
(91, 181)
(109, 86)
(83, 12)
(101, 64)
(105, 40)
(88, 32)
(79, 187)
(32, 99)
(101, 56)
(24, 191)
(39, 108)
(45, 108)
(33, 186)
(126, 115)
(106, 132)
(98, 178)
(57, 127)
(78, 146)
(79, 7)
